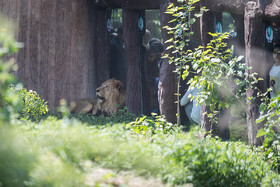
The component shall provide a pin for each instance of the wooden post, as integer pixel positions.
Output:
(100, 42)
(254, 58)
(167, 78)
(133, 100)
(206, 25)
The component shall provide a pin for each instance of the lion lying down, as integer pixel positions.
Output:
(110, 98)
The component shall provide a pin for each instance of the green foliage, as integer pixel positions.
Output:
(122, 117)
(16, 160)
(33, 106)
(222, 77)
(68, 148)
(7, 37)
(151, 125)
(180, 29)
(208, 162)
(270, 115)
(9, 102)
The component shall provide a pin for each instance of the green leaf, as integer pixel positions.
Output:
(169, 47)
(170, 6)
(239, 58)
(174, 20)
(260, 119)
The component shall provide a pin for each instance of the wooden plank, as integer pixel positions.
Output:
(133, 82)
(13, 9)
(62, 50)
(167, 78)
(88, 42)
(22, 37)
(131, 4)
(46, 75)
(78, 63)
(5, 8)
(101, 41)
(33, 45)
(255, 59)
(92, 82)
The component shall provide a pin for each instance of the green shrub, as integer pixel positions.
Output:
(270, 115)
(177, 158)
(209, 162)
(9, 102)
(151, 125)
(16, 159)
(122, 117)
(33, 106)
(51, 170)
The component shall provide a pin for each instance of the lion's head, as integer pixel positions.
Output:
(112, 96)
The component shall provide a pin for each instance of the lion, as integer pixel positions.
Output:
(110, 99)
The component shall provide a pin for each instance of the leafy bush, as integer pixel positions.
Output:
(209, 162)
(223, 78)
(151, 125)
(9, 102)
(270, 114)
(16, 160)
(183, 16)
(33, 106)
(177, 158)
(122, 117)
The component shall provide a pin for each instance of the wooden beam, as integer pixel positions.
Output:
(167, 77)
(255, 59)
(133, 100)
(232, 6)
(129, 4)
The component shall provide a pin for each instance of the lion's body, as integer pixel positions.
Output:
(110, 98)
(84, 106)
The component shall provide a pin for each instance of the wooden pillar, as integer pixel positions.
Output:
(254, 58)
(167, 78)
(206, 25)
(133, 101)
(100, 42)
(57, 58)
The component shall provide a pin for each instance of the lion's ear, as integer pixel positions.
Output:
(118, 85)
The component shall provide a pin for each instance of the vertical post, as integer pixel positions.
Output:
(133, 100)
(254, 58)
(100, 40)
(206, 25)
(141, 52)
(167, 77)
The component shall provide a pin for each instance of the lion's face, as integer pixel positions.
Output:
(109, 90)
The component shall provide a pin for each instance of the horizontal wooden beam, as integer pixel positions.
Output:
(270, 10)
(231, 6)
(129, 4)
